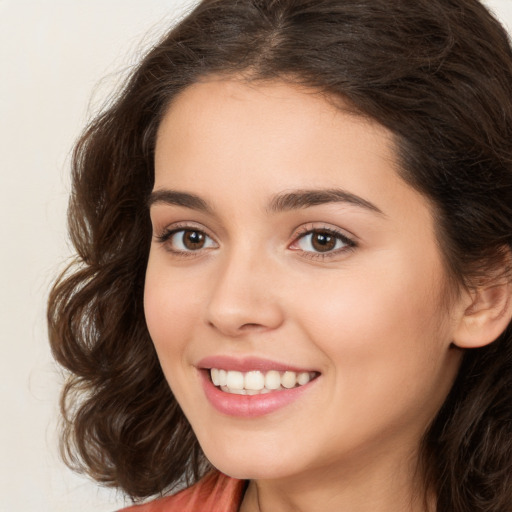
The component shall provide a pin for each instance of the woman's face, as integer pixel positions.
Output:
(287, 253)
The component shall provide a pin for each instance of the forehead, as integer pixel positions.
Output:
(240, 98)
(273, 125)
(223, 134)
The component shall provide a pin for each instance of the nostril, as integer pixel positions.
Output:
(251, 326)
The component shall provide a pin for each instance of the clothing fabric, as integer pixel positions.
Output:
(215, 492)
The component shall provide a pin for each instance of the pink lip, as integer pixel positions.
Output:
(248, 406)
(246, 364)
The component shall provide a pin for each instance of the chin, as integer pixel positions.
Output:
(252, 464)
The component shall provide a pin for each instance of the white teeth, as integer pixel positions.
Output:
(234, 391)
(303, 378)
(272, 380)
(256, 382)
(235, 380)
(288, 380)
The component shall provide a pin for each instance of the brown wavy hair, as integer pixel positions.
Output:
(437, 73)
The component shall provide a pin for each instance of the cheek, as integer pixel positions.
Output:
(374, 302)
(168, 312)
(381, 328)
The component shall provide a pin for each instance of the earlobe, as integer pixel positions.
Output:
(486, 317)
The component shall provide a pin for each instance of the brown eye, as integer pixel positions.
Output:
(193, 240)
(323, 241)
(187, 240)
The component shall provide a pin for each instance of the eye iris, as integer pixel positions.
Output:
(193, 240)
(323, 242)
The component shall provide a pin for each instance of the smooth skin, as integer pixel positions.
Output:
(354, 288)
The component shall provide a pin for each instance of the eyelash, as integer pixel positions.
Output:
(164, 237)
(349, 244)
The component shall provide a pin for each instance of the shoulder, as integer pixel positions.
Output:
(216, 492)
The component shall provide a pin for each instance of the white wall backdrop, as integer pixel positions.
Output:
(58, 59)
(55, 55)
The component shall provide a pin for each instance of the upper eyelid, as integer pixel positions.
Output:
(350, 241)
(322, 226)
(183, 226)
(164, 236)
(297, 233)
(350, 244)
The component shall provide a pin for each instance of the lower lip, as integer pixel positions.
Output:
(250, 406)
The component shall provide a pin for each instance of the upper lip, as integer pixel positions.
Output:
(247, 364)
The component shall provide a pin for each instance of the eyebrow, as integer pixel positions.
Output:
(298, 199)
(173, 197)
(293, 200)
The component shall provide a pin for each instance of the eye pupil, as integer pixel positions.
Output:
(323, 242)
(193, 240)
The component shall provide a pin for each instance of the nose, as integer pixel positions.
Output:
(244, 297)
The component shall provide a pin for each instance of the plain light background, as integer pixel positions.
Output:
(59, 59)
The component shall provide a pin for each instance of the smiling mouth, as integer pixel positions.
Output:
(256, 382)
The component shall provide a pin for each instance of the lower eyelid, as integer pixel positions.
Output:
(164, 236)
(325, 256)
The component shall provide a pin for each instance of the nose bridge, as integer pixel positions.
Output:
(243, 296)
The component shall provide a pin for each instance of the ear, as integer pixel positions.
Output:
(488, 314)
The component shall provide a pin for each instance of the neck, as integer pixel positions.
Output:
(391, 486)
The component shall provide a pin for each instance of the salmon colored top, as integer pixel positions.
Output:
(215, 492)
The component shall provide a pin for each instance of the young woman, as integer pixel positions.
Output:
(293, 283)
